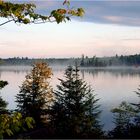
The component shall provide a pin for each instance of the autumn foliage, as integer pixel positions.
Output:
(36, 93)
(24, 13)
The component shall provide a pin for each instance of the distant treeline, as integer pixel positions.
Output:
(31, 61)
(83, 61)
(130, 60)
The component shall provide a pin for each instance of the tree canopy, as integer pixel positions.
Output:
(24, 13)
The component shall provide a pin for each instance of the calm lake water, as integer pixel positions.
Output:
(112, 86)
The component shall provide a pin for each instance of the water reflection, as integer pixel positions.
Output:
(112, 86)
(113, 72)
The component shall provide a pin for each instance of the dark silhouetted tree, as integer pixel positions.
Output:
(127, 120)
(123, 120)
(82, 60)
(75, 111)
(3, 103)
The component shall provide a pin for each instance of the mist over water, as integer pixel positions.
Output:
(111, 84)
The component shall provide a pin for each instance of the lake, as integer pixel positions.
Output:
(112, 85)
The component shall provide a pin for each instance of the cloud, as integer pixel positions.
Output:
(122, 20)
(114, 19)
(113, 12)
(131, 39)
(123, 12)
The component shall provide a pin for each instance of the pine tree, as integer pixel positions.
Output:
(3, 104)
(82, 60)
(35, 93)
(75, 111)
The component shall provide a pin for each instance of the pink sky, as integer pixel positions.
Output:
(71, 39)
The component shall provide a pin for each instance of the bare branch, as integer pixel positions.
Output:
(6, 22)
(51, 21)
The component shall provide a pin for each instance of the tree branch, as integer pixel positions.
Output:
(6, 22)
(51, 21)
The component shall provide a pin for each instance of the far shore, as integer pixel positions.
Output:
(61, 67)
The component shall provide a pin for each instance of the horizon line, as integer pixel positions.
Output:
(21, 57)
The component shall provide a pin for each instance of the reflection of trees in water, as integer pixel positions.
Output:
(83, 74)
(90, 72)
(113, 72)
(25, 69)
(93, 71)
(0, 75)
(15, 69)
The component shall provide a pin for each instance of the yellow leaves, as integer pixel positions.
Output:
(37, 82)
(42, 70)
(1, 2)
(49, 95)
(79, 12)
(9, 124)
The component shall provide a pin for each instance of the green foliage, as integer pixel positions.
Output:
(25, 13)
(12, 124)
(75, 111)
(35, 93)
(29, 121)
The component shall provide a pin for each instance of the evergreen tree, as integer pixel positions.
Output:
(3, 103)
(82, 60)
(127, 120)
(75, 113)
(35, 93)
(124, 116)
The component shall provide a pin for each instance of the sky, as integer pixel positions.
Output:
(107, 28)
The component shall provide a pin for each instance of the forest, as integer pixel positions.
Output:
(71, 111)
(122, 60)
(83, 61)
